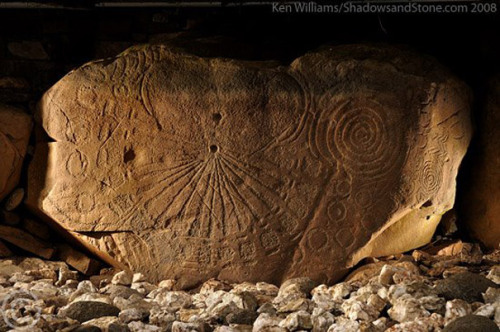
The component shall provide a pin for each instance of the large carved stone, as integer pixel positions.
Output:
(15, 129)
(481, 197)
(190, 168)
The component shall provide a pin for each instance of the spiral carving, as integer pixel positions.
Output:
(430, 178)
(362, 135)
(364, 142)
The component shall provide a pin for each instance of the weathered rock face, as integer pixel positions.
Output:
(15, 129)
(190, 168)
(481, 200)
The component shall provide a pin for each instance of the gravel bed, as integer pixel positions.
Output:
(446, 287)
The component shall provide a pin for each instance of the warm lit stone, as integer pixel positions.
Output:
(189, 168)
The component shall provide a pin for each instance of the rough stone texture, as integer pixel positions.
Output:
(15, 130)
(481, 199)
(78, 260)
(15, 199)
(471, 323)
(26, 241)
(407, 304)
(467, 286)
(189, 168)
(83, 311)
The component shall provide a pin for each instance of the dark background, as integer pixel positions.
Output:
(38, 46)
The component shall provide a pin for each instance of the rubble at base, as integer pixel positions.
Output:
(443, 287)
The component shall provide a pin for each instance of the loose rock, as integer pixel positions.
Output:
(471, 323)
(83, 311)
(466, 286)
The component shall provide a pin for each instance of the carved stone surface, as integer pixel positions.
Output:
(15, 130)
(481, 199)
(189, 168)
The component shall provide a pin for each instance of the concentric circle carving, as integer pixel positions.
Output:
(317, 239)
(361, 135)
(364, 141)
(337, 212)
(430, 179)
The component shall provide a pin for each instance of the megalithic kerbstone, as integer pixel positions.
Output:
(185, 167)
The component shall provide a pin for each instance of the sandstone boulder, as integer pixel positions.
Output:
(188, 168)
(15, 130)
(481, 199)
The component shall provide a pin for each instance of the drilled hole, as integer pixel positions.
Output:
(217, 117)
(427, 204)
(129, 155)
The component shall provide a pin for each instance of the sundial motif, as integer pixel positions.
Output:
(189, 168)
